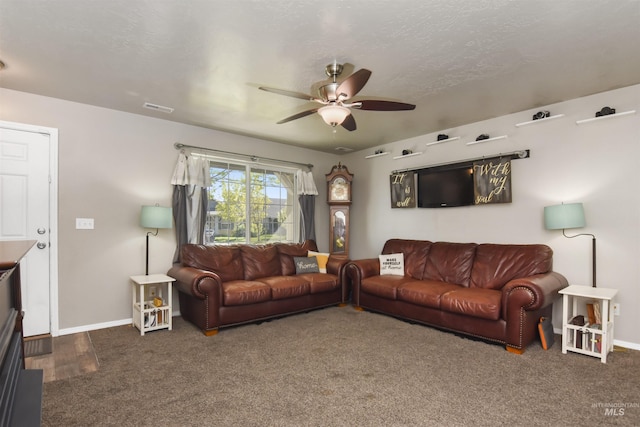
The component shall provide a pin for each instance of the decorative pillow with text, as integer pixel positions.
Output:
(392, 265)
(322, 260)
(305, 264)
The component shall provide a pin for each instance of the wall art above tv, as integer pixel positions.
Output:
(473, 182)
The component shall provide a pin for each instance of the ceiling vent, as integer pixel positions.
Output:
(344, 149)
(157, 107)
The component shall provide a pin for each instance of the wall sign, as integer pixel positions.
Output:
(403, 190)
(492, 181)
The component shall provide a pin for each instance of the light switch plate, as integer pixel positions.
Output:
(84, 223)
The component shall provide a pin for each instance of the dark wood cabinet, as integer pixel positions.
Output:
(20, 388)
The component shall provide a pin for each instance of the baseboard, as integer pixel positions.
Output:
(96, 326)
(626, 344)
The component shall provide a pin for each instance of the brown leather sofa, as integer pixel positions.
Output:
(230, 285)
(490, 291)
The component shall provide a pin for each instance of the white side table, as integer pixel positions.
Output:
(148, 316)
(587, 339)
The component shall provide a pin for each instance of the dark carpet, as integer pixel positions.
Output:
(338, 367)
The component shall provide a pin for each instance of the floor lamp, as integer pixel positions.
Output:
(569, 216)
(154, 217)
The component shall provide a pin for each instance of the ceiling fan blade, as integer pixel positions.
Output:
(353, 84)
(379, 105)
(287, 93)
(298, 116)
(349, 123)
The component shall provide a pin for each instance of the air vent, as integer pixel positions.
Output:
(344, 149)
(156, 107)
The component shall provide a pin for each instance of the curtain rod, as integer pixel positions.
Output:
(521, 154)
(180, 146)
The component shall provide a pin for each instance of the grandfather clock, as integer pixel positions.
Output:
(339, 200)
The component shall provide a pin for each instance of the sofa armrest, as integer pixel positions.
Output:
(363, 268)
(358, 270)
(336, 264)
(197, 283)
(532, 293)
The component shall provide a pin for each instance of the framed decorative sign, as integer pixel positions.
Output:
(492, 181)
(403, 190)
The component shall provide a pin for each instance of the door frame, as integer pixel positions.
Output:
(53, 214)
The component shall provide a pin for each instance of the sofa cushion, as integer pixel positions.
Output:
(306, 264)
(450, 262)
(383, 286)
(476, 302)
(495, 265)
(286, 286)
(288, 251)
(392, 264)
(425, 292)
(243, 292)
(320, 282)
(415, 254)
(225, 261)
(260, 261)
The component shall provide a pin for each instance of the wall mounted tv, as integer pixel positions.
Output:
(446, 186)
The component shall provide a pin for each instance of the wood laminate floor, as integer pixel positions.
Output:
(72, 355)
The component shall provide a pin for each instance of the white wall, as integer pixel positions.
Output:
(593, 163)
(110, 164)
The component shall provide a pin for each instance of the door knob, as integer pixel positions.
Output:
(41, 230)
(41, 245)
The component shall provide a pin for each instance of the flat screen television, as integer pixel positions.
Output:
(445, 187)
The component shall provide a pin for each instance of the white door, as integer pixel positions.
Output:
(25, 181)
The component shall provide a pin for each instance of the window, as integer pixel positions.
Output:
(251, 204)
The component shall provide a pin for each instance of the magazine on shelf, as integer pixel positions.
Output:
(578, 337)
(597, 313)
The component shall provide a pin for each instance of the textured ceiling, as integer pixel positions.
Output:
(459, 61)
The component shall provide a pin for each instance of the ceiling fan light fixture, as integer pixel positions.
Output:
(334, 98)
(333, 115)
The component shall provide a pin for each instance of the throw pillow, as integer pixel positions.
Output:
(305, 265)
(322, 258)
(392, 265)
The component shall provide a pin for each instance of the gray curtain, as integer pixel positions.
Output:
(307, 193)
(190, 201)
(189, 214)
(307, 217)
(179, 204)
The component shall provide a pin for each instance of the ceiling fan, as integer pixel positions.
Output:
(334, 98)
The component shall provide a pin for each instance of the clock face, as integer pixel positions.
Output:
(339, 190)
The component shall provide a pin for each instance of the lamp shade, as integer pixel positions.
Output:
(333, 115)
(564, 216)
(156, 217)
